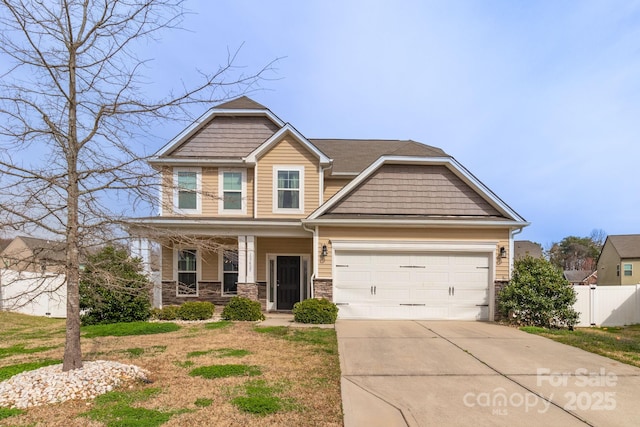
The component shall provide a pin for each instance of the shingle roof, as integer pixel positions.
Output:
(242, 103)
(627, 245)
(575, 276)
(354, 155)
(45, 249)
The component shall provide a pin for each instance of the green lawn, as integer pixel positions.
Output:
(619, 343)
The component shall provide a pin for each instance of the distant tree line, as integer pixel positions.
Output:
(577, 253)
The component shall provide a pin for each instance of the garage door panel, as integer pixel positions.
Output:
(396, 285)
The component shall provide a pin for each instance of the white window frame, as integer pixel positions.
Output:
(282, 168)
(221, 271)
(243, 195)
(176, 191)
(176, 252)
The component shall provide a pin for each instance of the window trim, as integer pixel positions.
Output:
(221, 271)
(627, 270)
(282, 168)
(176, 258)
(243, 193)
(176, 191)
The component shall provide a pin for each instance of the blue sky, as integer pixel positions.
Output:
(539, 99)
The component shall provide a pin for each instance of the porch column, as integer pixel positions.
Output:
(242, 259)
(251, 259)
(247, 286)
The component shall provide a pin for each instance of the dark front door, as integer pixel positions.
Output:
(288, 281)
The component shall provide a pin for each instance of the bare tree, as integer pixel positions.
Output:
(71, 105)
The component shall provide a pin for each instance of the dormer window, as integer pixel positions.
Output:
(288, 182)
(188, 190)
(233, 191)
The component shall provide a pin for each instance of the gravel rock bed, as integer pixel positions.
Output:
(50, 385)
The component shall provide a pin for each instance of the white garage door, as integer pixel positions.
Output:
(377, 285)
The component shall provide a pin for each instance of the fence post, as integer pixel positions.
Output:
(592, 304)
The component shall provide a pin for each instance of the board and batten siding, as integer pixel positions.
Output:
(287, 152)
(458, 235)
(275, 246)
(332, 186)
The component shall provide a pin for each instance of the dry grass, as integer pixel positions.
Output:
(306, 376)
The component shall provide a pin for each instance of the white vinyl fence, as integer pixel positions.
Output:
(608, 305)
(32, 293)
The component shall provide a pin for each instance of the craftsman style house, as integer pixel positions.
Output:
(384, 228)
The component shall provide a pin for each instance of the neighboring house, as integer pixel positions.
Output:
(581, 277)
(384, 228)
(524, 248)
(619, 261)
(31, 279)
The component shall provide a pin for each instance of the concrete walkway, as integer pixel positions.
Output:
(419, 373)
(286, 319)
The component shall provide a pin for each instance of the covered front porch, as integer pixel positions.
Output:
(271, 263)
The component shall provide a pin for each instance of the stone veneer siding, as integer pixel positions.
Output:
(207, 291)
(323, 288)
(499, 285)
(248, 290)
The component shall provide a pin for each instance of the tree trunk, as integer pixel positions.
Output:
(72, 351)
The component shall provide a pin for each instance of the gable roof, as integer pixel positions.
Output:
(576, 276)
(240, 107)
(627, 245)
(287, 129)
(242, 103)
(491, 208)
(352, 156)
(36, 250)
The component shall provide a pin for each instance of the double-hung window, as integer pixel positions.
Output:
(628, 269)
(187, 184)
(232, 189)
(230, 272)
(187, 273)
(288, 184)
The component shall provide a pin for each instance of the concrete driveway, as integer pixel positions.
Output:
(423, 373)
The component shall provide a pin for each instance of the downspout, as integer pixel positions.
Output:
(511, 248)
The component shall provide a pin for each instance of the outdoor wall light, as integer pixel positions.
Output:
(324, 250)
(503, 252)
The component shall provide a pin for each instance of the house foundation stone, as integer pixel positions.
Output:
(323, 288)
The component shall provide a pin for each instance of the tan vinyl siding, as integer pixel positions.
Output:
(227, 137)
(209, 265)
(327, 234)
(167, 263)
(167, 191)
(210, 198)
(287, 152)
(209, 192)
(277, 245)
(332, 186)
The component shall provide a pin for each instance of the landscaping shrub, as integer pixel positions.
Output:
(113, 289)
(196, 310)
(538, 295)
(316, 311)
(168, 312)
(241, 308)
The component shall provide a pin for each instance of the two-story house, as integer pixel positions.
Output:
(619, 261)
(384, 228)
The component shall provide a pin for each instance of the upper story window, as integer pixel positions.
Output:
(288, 185)
(187, 273)
(628, 269)
(188, 190)
(233, 191)
(618, 270)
